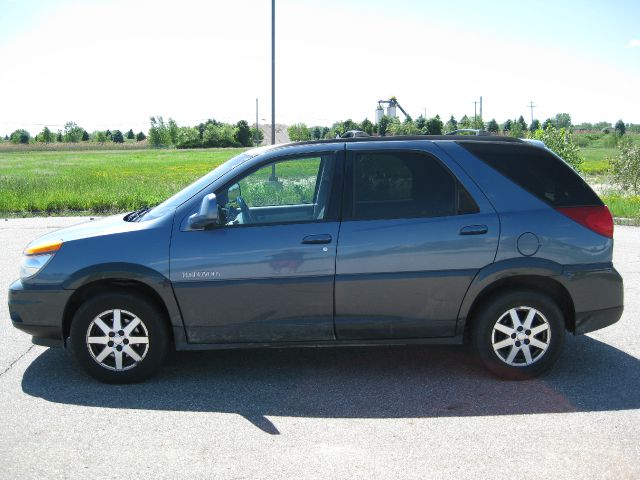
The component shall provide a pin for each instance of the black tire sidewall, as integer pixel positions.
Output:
(149, 313)
(497, 306)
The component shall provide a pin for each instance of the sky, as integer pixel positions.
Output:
(114, 63)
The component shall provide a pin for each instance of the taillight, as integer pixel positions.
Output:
(597, 218)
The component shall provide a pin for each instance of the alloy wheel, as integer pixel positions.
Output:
(521, 336)
(117, 339)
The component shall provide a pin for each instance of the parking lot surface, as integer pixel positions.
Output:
(388, 412)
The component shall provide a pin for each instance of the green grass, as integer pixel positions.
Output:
(53, 182)
(596, 159)
(625, 207)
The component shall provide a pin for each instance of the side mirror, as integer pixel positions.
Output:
(208, 214)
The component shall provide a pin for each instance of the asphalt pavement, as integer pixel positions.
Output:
(389, 412)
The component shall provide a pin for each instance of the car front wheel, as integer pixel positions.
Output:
(119, 337)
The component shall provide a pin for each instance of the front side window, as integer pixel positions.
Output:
(406, 184)
(291, 190)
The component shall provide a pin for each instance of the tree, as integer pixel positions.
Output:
(140, 137)
(20, 136)
(421, 123)
(117, 136)
(562, 120)
(559, 140)
(464, 122)
(72, 132)
(299, 132)
(159, 133)
(130, 135)
(516, 130)
(535, 125)
(451, 125)
(316, 133)
(101, 136)
(383, 125)
(243, 134)
(522, 123)
(85, 136)
(506, 126)
(477, 123)
(172, 128)
(626, 167)
(620, 127)
(59, 136)
(46, 136)
(188, 137)
(492, 126)
(434, 126)
(547, 123)
(219, 135)
(367, 126)
(257, 135)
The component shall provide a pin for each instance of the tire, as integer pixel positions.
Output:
(129, 354)
(506, 346)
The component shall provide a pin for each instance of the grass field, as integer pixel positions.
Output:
(101, 182)
(54, 182)
(596, 159)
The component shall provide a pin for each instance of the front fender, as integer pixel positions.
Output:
(131, 272)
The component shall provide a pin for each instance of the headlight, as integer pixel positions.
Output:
(36, 256)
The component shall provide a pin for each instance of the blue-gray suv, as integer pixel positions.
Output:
(365, 241)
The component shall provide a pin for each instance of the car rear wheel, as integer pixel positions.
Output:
(519, 334)
(119, 337)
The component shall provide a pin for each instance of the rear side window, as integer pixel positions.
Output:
(406, 184)
(537, 171)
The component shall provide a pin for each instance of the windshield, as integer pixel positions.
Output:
(189, 191)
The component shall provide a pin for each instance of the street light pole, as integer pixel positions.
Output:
(273, 72)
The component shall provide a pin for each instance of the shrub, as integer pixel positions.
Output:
(625, 168)
(188, 137)
(560, 142)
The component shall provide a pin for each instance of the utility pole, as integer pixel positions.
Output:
(531, 106)
(425, 112)
(481, 107)
(475, 112)
(273, 177)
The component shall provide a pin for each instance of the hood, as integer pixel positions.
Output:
(92, 228)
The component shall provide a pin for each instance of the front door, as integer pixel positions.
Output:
(412, 239)
(266, 273)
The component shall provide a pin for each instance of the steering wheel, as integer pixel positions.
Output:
(247, 217)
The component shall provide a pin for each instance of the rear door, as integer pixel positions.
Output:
(415, 231)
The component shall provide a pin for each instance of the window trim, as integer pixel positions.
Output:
(333, 201)
(348, 195)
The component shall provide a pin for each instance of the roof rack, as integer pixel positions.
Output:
(398, 138)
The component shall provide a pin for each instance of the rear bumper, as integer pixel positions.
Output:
(589, 321)
(597, 292)
(39, 312)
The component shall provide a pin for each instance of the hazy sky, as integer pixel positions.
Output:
(112, 64)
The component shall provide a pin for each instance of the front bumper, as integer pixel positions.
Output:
(39, 311)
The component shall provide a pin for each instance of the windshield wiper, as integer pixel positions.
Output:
(137, 215)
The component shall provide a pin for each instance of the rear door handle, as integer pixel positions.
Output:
(474, 230)
(317, 239)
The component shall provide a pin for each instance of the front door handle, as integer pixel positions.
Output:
(317, 239)
(474, 230)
